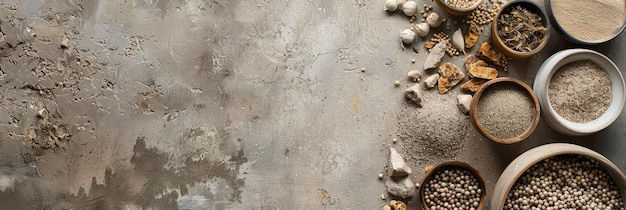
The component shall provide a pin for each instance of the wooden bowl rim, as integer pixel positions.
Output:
(506, 49)
(481, 181)
(479, 126)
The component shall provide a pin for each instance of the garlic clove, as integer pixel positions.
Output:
(407, 36)
(434, 20)
(391, 5)
(409, 8)
(422, 29)
(458, 41)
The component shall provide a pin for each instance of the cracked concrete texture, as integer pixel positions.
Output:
(217, 105)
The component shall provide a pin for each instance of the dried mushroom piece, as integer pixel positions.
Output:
(472, 85)
(479, 69)
(472, 35)
(487, 53)
(449, 76)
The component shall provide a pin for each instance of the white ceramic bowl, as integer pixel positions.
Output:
(560, 124)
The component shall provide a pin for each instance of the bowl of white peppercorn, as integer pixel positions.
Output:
(580, 91)
(458, 7)
(453, 185)
(560, 176)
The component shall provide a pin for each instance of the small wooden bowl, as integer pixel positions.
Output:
(510, 81)
(457, 11)
(499, 43)
(481, 182)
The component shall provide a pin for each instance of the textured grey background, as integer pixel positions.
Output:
(204, 104)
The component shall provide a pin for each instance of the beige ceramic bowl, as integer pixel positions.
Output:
(562, 125)
(537, 154)
(568, 36)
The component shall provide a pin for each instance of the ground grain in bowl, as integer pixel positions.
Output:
(588, 20)
(565, 182)
(580, 91)
(506, 111)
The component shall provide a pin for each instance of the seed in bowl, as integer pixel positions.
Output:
(521, 29)
(452, 188)
(565, 182)
(461, 4)
(580, 91)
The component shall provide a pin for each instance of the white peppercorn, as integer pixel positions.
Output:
(560, 182)
(445, 190)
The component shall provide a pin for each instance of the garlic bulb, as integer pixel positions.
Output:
(409, 8)
(400, 2)
(391, 5)
(407, 36)
(434, 20)
(458, 41)
(422, 29)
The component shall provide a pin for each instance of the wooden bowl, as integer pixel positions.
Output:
(499, 43)
(507, 81)
(481, 182)
(537, 154)
(457, 11)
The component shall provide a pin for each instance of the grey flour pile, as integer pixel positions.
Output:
(434, 132)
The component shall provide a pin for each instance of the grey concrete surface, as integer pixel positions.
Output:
(198, 104)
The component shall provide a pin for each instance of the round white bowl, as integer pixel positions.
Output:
(562, 125)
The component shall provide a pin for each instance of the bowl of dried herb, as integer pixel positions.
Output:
(520, 29)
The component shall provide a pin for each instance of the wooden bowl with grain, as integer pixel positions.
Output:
(482, 194)
(505, 110)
